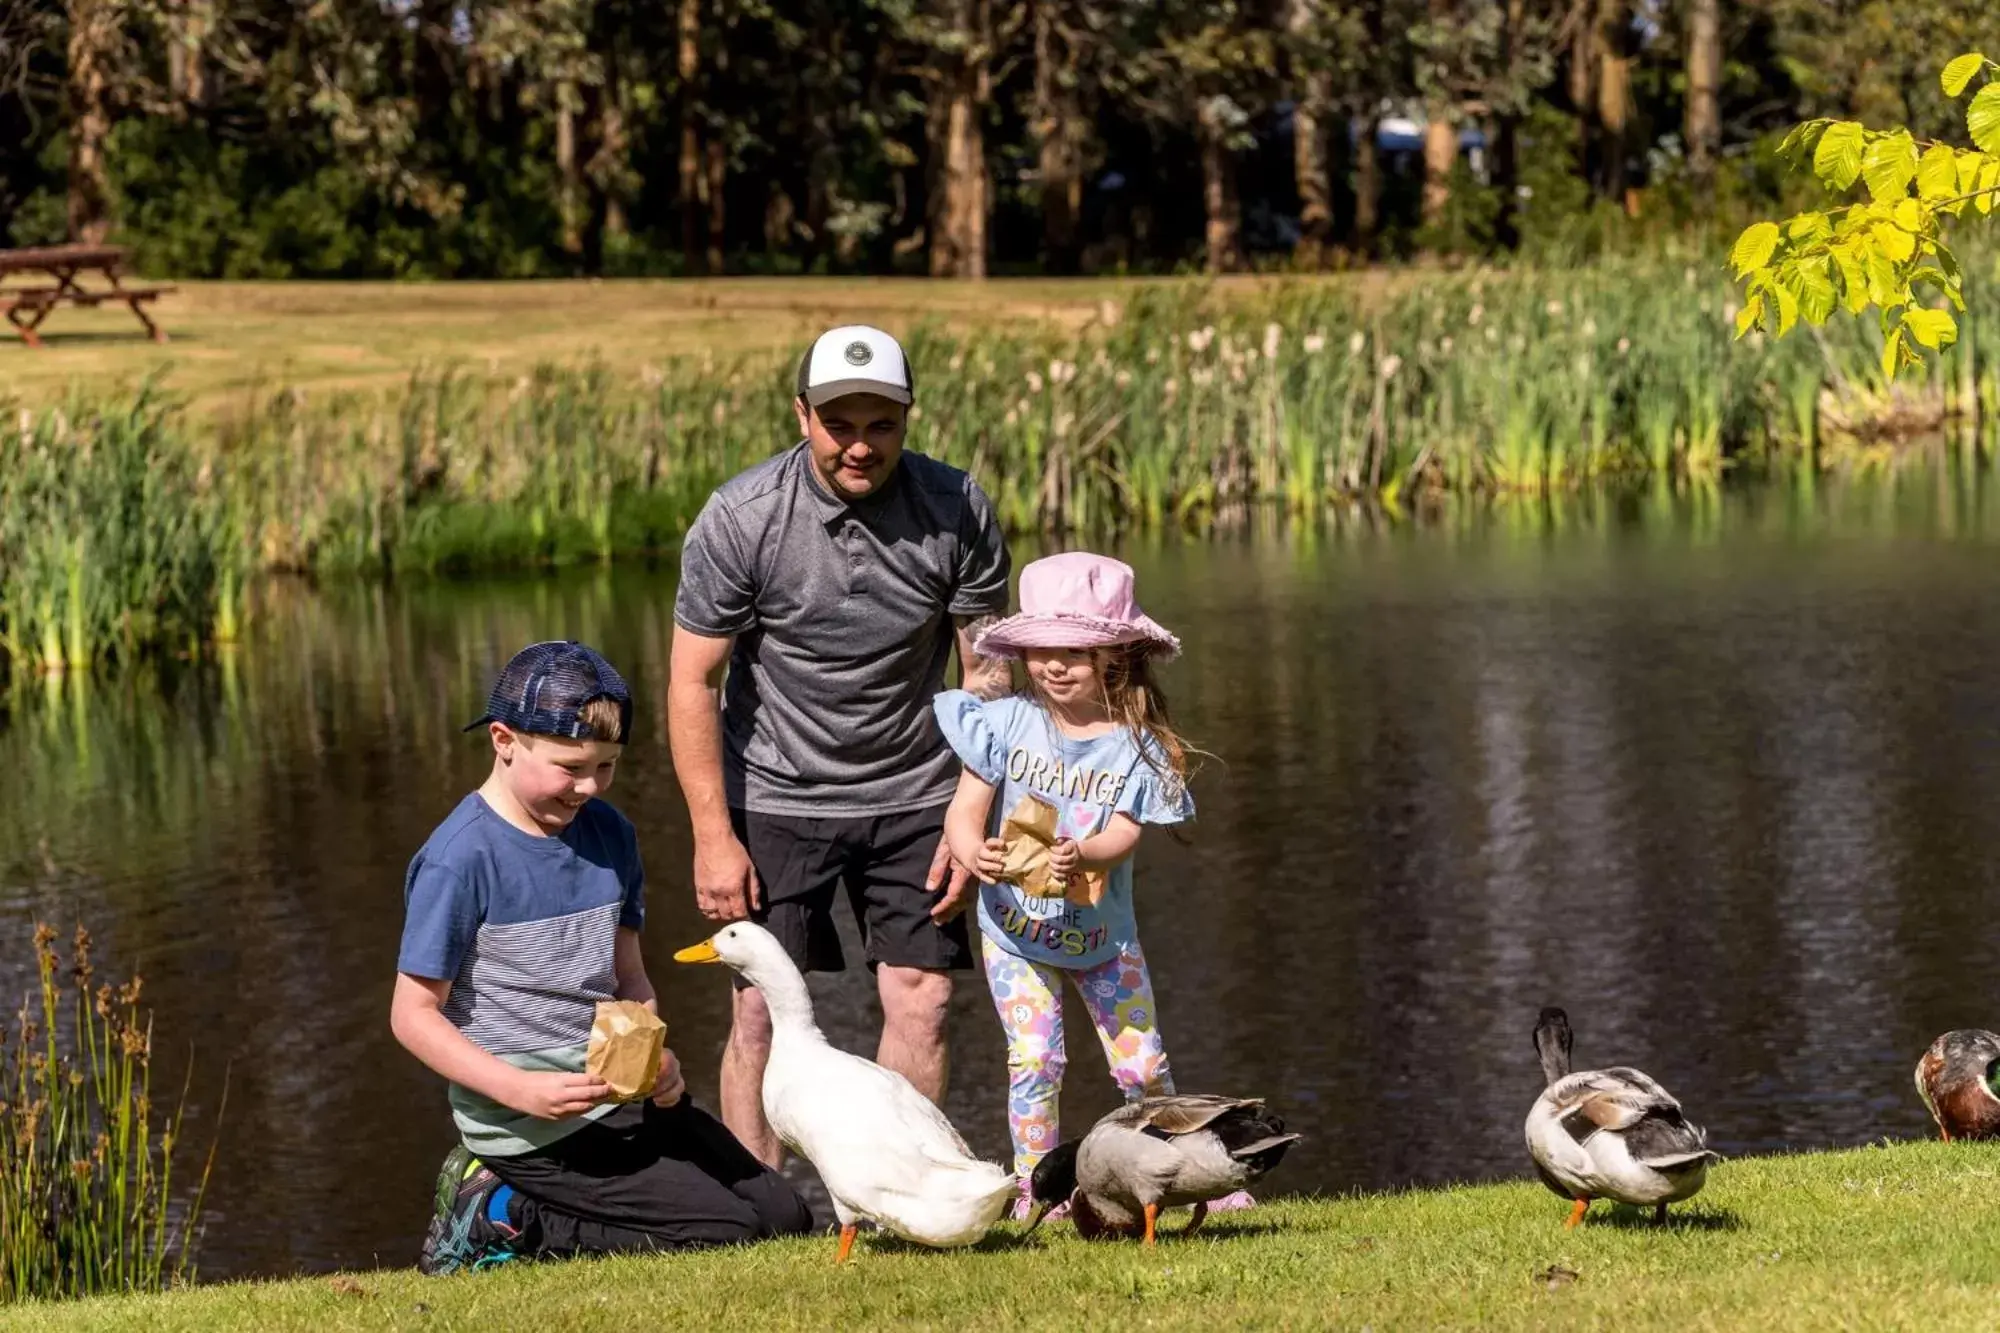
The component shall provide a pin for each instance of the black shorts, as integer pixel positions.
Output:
(881, 860)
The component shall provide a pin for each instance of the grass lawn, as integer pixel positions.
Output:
(1902, 1237)
(227, 335)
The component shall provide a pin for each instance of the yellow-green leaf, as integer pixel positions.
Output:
(1889, 165)
(1883, 287)
(1892, 353)
(1989, 180)
(1960, 71)
(1809, 227)
(1968, 165)
(1837, 160)
(1935, 329)
(1803, 138)
(1909, 215)
(1747, 317)
(1936, 278)
(1937, 173)
(1754, 247)
(1815, 285)
(1788, 306)
(1982, 118)
(1853, 278)
(1896, 243)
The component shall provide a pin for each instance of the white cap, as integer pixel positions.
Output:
(855, 358)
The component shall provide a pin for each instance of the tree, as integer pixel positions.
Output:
(1704, 87)
(96, 34)
(1210, 67)
(1312, 101)
(1877, 252)
(959, 43)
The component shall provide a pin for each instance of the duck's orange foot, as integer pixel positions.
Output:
(846, 1243)
(1152, 1218)
(1576, 1214)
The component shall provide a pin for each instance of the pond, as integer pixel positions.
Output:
(1711, 770)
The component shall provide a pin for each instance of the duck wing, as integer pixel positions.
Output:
(1632, 1105)
(1183, 1113)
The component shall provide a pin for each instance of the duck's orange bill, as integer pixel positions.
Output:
(699, 953)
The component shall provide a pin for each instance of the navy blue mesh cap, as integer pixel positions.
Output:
(542, 691)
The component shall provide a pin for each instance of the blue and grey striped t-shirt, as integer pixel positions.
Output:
(525, 929)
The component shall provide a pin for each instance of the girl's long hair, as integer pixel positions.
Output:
(1136, 700)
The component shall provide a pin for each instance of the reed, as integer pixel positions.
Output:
(87, 1185)
(127, 524)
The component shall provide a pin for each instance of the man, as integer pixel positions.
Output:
(833, 581)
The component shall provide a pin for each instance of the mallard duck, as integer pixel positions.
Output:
(1956, 1078)
(886, 1154)
(1159, 1152)
(1610, 1133)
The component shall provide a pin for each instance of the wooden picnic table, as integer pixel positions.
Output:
(26, 307)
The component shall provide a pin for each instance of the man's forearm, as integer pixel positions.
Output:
(987, 677)
(694, 729)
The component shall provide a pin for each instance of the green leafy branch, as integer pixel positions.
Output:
(1880, 250)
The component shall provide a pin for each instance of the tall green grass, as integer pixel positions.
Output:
(87, 1202)
(127, 524)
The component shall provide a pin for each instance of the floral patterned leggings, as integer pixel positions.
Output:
(1118, 995)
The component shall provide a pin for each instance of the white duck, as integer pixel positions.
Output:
(885, 1153)
(1610, 1133)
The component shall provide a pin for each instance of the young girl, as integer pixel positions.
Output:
(1090, 737)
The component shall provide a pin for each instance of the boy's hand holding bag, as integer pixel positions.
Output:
(626, 1041)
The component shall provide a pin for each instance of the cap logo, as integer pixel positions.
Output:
(859, 354)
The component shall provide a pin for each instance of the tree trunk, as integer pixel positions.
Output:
(1312, 100)
(718, 204)
(1704, 78)
(93, 34)
(1224, 211)
(1583, 82)
(1507, 131)
(959, 92)
(1614, 92)
(1440, 156)
(1440, 135)
(613, 148)
(1367, 184)
(569, 202)
(692, 177)
(1058, 128)
(188, 23)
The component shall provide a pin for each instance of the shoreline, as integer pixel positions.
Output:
(1878, 1236)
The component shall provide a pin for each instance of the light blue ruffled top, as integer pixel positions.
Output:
(1015, 745)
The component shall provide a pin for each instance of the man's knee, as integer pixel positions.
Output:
(915, 1000)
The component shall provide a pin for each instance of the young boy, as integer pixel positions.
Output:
(523, 911)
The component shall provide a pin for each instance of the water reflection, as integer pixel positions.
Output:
(1705, 766)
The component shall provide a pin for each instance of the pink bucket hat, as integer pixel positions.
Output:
(1075, 600)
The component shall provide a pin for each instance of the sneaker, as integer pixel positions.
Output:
(469, 1224)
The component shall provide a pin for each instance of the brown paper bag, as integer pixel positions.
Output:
(1029, 831)
(626, 1039)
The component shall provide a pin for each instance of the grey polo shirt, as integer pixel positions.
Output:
(842, 615)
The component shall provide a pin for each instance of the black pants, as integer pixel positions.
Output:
(643, 1178)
